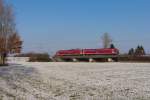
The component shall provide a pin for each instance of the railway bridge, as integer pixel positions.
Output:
(87, 58)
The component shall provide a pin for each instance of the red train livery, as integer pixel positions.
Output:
(69, 52)
(73, 52)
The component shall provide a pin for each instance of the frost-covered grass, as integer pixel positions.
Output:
(75, 81)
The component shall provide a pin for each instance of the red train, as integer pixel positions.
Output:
(80, 52)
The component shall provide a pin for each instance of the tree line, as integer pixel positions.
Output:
(108, 43)
(10, 41)
(137, 52)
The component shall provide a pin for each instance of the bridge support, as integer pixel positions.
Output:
(74, 60)
(91, 60)
(110, 60)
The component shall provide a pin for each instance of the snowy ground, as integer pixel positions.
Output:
(75, 81)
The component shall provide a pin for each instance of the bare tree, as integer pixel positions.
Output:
(7, 30)
(106, 40)
(14, 43)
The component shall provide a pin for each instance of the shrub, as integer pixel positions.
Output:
(127, 58)
(39, 57)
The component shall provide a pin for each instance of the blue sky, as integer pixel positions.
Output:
(50, 25)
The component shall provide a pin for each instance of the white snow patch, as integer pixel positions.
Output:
(75, 81)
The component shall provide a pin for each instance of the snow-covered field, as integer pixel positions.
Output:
(75, 81)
